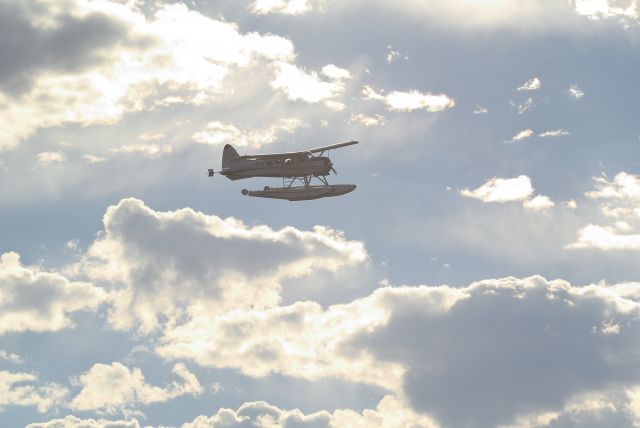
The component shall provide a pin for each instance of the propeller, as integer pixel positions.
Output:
(334, 170)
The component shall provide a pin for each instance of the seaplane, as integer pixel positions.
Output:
(297, 170)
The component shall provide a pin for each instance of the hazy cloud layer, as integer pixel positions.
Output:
(218, 133)
(141, 62)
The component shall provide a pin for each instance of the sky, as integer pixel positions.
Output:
(484, 273)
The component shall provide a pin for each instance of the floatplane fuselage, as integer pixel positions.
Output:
(292, 167)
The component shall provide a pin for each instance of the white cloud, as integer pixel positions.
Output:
(523, 16)
(605, 238)
(149, 136)
(526, 106)
(335, 72)
(151, 150)
(522, 135)
(571, 204)
(531, 328)
(93, 159)
(300, 340)
(145, 62)
(575, 92)
(219, 133)
(222, 265)
(481, 110)
(72, 245)
(502, 190)
(389, 413)
(621, 202)
(32, 300)
(412, 100)
(284, 7)
(44, 158)
(363, 119)
(531, 85)
(114, 388)
(624, 187)
(598, 9)
(539, 203)
(393, 55)
(297, 84)
(554, 133)
(10, 357)
(17, 389)
(74, 422)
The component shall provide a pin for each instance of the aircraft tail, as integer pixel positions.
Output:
(228, 155)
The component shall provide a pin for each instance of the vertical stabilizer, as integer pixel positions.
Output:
(228, 155)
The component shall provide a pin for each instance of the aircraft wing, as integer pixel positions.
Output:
(293, 154)
(333, 146)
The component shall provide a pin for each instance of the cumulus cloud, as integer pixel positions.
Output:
(44, 158)
(151, 136)
(409, 101)
(522, 135)
(18, 389)
(554, 133)
(531, 85)
(140, 62)
(297, 84)
(575, 92)
(539, 203)
(620, 201)
(624, 187)
(502, 190)
(605, 238)
(335, 72)
(33, 300)
(114, 388)
(93, 159)
(480, 110)
(74, 422)
(301, 340)
(394, 55)
(390, 413)
(598, 9)
(10, 357)
(222, 263)
(218, 133)
(524, 107)
(363, 119)
(284, 7)
(525, 334)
